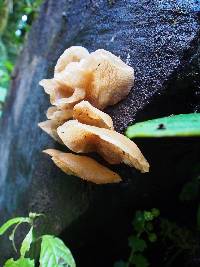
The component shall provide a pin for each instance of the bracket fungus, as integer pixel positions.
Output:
(99, 77)
(76, 165)
(112, 146)
(83, 85)
(84, 112)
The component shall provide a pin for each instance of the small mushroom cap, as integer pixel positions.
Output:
(111, 79)
(49, 127)
(112, 146)
(59, 116)
(61, 95)
(84, 112)
(74, 75)
(55, 118)
(83, 167)
(72, 54)
(70, 102)
(55, 90)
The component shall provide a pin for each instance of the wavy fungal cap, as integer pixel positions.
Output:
(100, 77)
(84, 167)
(112, 146)
(84, 112)
(55, 118)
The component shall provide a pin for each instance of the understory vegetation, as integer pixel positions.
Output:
(52, 251)
(157, 235)
(16, 18)
(168, 241)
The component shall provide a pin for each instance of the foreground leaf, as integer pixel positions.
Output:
(137, 243)
(140, 261)
(177, 125)
(25, 247)
(11, 222)
(22, 262)
(54, 253)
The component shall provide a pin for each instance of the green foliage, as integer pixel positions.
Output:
(16, 17)
(26, 244)
(182, 239)
(12, 222)
(143, 232)
(22, 262)
(177, 125)
(53, 252)
(140, 261)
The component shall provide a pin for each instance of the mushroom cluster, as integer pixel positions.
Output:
(83, 85)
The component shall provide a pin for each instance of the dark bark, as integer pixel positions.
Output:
(161, 42)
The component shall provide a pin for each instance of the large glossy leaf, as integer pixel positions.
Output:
(25, 247)
(176, 125)
(11, 222)
(54, 253)
(22, 262)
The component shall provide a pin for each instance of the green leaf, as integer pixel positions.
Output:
(25, 247)
(155, 212)
(140, 261)
(9, 65)
(177, 125)
(11, 222)
(137, 243)
(54, 253)
(139, 222)
(152, 237)
(22, 262)
(148, 216)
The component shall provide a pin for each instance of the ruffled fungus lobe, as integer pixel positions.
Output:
(100, 77)
(111, 79)
(62, 95)
(72, 54)
(55, 118)
(84, 112)
(83, 167)
(112, 146)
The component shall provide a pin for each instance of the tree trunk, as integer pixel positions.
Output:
(160, 40)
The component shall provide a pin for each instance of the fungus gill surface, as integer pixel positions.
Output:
(76, 165)
(112, 146)
(84, 112)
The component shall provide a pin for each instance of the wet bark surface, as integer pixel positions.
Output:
(160, 39)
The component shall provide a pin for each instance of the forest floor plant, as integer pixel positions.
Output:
(53, 252)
